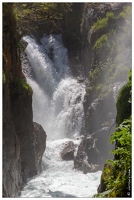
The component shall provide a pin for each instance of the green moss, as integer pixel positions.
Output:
(99, 42)
(21, 46)
(21, 86)
(102, 23)
(34, 16)
(103, 194)
(123, 105)
(123, 102)
(3, 78)
(127, 12)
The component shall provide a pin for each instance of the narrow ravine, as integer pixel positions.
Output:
(58, 107)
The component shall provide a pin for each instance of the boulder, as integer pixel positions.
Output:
(40, 144)
(68, 151)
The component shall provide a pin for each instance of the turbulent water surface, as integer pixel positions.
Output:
(58, 107)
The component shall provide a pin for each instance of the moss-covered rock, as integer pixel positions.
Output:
(124, 103)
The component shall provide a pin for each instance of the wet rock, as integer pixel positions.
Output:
(40, 144)
(88, 168)
(68, 151)
(78, 159)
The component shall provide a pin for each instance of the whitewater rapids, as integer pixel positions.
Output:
(58, 107)
(59, 178)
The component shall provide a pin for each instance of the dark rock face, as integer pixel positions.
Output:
(99, 111)
(21, 157)
(23, 141)
(12, 171)
(40, 144)
(12, 177)
(102, 185)
(21, 108)
(68, 151)
(100, 100)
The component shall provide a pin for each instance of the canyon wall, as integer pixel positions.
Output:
(21, 159)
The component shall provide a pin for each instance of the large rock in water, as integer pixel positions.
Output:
(68, 151)
(40, 144)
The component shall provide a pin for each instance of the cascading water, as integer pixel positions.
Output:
(58, 107)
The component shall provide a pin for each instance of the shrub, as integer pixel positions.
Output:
(119, 182)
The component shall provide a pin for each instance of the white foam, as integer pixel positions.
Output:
(58, 107)
(59, 175)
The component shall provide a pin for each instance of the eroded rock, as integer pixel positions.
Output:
(68, 151)
(40, 144)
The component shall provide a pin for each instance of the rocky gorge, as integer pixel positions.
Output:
(100, 56)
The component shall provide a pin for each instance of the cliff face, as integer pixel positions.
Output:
(19, 153)
(106, 58)
(12, 178)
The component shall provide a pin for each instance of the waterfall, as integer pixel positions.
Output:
(58, 107)
(57, 96)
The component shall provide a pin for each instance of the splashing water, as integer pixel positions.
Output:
(57, 97)
(58, 107)
(59, 178)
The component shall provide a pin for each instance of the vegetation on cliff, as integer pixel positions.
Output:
(108, 31)
(31, 16)
(112, 50)
(108, 54)
(124, 101)
(116, 176)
